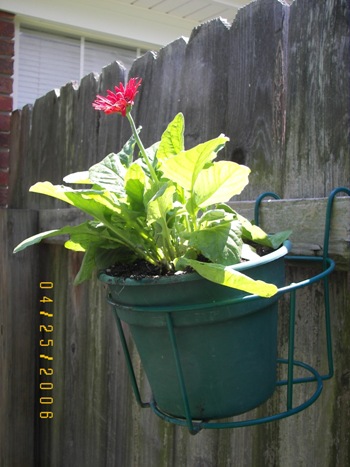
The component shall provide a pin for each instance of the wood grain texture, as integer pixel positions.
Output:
(204, 82)
(306, 219)
(21, 166)
(256, 94)
(318, 112)
(19, 340)
(161, 74)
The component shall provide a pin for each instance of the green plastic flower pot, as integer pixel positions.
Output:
(227, 351)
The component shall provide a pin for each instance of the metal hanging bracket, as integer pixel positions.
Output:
(327, 266)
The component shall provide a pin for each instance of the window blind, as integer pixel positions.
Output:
(97, 56)
(47, 61)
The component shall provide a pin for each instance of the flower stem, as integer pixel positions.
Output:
(141, 147)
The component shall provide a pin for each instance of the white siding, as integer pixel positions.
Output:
(97, 56)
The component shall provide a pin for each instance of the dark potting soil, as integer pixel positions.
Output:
(138, 270)
(141, 268)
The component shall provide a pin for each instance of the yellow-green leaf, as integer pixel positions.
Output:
(78, 177)
(184, 168)
(230, 278)
(219, 183)
(172, 141)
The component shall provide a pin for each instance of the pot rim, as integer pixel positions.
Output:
(180, 276)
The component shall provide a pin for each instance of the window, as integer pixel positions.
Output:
(47, 61)
(97, 56)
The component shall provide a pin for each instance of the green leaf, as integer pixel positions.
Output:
(255, 234)
(36, 239)
(184, 168)
(78, 177)
(276, 240)
(81, 236)
(220, 243)
(74, 246)
(151, 152)
(229, 277)
(88, 265)
(109, 174)
(107, 257)
(212, 215)
(94, 202)
(157, 211)
(87, 233)
(99, 205)
(56, 191)
(88, 237)
(126, 154)
(219, 183)
(135, 187)
(100, 255)
(160, 204)
(172, 141)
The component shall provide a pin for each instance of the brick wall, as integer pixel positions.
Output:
(7, 33)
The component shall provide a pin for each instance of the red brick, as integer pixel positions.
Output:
(4, 159)
(5, 85)
(3, 197)
(4, 140)
(4, 177)
(6, 66)
(7, 29)
(6, 103)
(6, 15)
(7, 47)
(5, 122)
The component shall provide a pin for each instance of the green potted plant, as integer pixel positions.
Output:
(168, 245)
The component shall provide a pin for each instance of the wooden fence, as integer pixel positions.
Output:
(277, 83)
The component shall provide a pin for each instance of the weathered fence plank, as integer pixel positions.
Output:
(204, 82)
(83, 333)
(318, 93)
(277, 83)
(158, 101)
(20, 165)
(19, 339)
(256, 93)
(306, 219)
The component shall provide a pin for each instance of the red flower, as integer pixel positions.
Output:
(120, 100)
